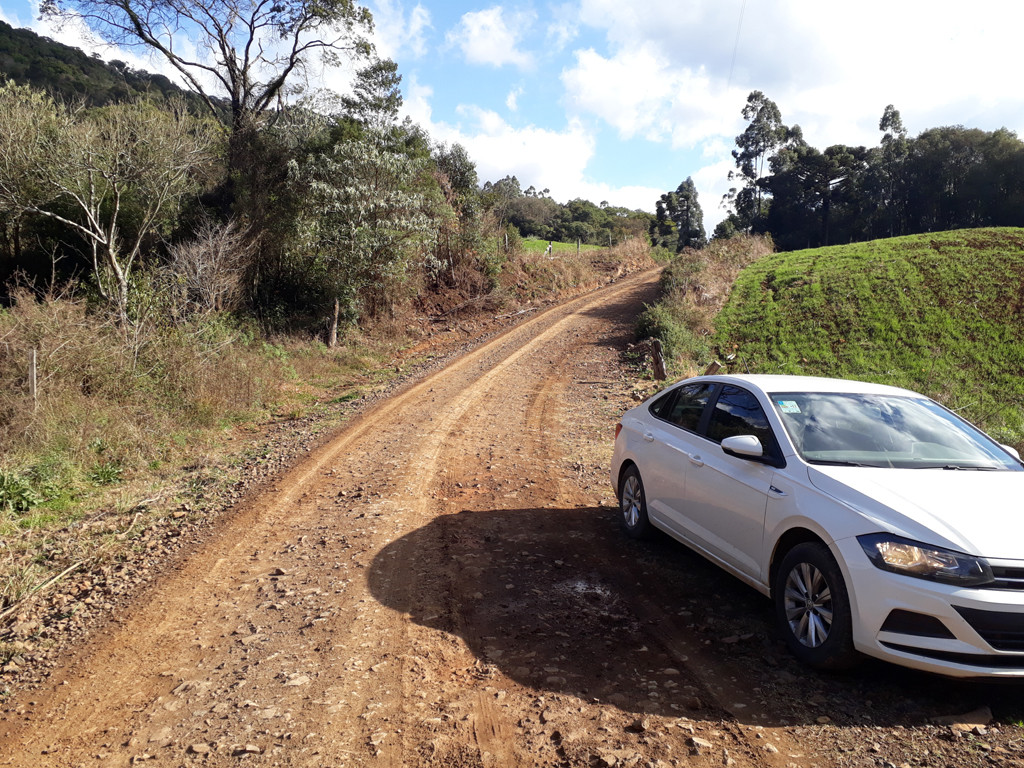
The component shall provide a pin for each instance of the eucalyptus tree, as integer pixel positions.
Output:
(894, 151)
(764, 134)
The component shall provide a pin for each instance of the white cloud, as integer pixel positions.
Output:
(712, 182)
(831, 67)
(564, 27)
(640, 94)
(488, 37)
(416, 103)
(512, 100)
(396, 34)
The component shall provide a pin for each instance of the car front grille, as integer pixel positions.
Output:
(1002, 630)
(1006, 578)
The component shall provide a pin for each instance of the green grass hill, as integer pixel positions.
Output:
(941, 313)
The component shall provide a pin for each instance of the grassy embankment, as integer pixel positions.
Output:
(126, 430)
(940, 313)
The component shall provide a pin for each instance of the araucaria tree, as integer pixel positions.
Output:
(679, 220)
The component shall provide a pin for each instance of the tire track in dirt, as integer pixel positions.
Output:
(211, 629)
(432, 587)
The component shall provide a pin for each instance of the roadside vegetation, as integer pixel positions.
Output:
(695, 285)
(940, 313)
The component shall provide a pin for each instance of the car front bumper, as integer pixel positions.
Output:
(922, 624)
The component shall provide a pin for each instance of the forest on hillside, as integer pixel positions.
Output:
(945, 178)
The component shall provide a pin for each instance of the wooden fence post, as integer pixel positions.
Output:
(658, 360)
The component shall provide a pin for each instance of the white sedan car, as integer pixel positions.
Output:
(877, 520)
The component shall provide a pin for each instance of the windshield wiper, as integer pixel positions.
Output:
(835, 463)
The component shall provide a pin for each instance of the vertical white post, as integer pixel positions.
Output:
(32, 376)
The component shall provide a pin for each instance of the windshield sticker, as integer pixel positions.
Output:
(788, 406)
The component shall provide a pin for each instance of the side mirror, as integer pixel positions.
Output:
(743, 446)
(1010, 450)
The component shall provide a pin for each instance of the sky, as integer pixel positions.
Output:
(620, 101)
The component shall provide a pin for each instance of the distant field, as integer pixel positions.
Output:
(539, 246)
(940, 313)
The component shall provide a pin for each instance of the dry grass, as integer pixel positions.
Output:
(131, 426)
(532, 274)
(696, 286)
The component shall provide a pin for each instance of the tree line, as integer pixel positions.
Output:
(534, 213)
(252, 191)
(946, 178)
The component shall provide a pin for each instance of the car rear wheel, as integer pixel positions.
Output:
(633, 504)
(813, 608)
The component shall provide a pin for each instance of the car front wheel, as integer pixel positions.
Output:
(633, 504)
(813, 608)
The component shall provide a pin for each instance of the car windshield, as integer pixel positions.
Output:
(885, 431)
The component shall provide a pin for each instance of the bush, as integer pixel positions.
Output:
(16, 493)
(129, 392)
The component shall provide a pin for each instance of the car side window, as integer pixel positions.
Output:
(663, 404)
(689, 406)
(737, 412)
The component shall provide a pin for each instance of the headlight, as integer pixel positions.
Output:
(912, 558)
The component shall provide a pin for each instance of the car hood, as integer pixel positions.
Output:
(980, 513)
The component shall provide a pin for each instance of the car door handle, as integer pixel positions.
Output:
(695, 459)
(777, 492)
(649, 437)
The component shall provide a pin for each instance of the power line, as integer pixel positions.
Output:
(736, 45)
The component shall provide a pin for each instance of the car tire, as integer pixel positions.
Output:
(812, 607)
(633, 504)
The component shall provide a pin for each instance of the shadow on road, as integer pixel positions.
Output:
(559, 600)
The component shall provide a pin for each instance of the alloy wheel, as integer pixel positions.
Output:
(808, 605)
(631, 501)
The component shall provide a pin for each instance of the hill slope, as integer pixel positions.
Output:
(72, 75)
(942, 313)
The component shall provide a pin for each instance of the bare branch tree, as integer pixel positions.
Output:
(246, 50)
(92, 170)
(209, 268)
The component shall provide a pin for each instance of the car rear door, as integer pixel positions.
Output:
(669, 436)
(726, 497)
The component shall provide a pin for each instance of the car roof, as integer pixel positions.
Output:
(771, 383)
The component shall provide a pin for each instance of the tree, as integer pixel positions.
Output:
(458, 230)
(764, 134)
(375, 99)
(361, 220)
(689, 218)
(111, 175)
(894, 155)
(497, 197)
(811, 190)
(251, 50)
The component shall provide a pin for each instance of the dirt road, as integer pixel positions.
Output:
(444, 584)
